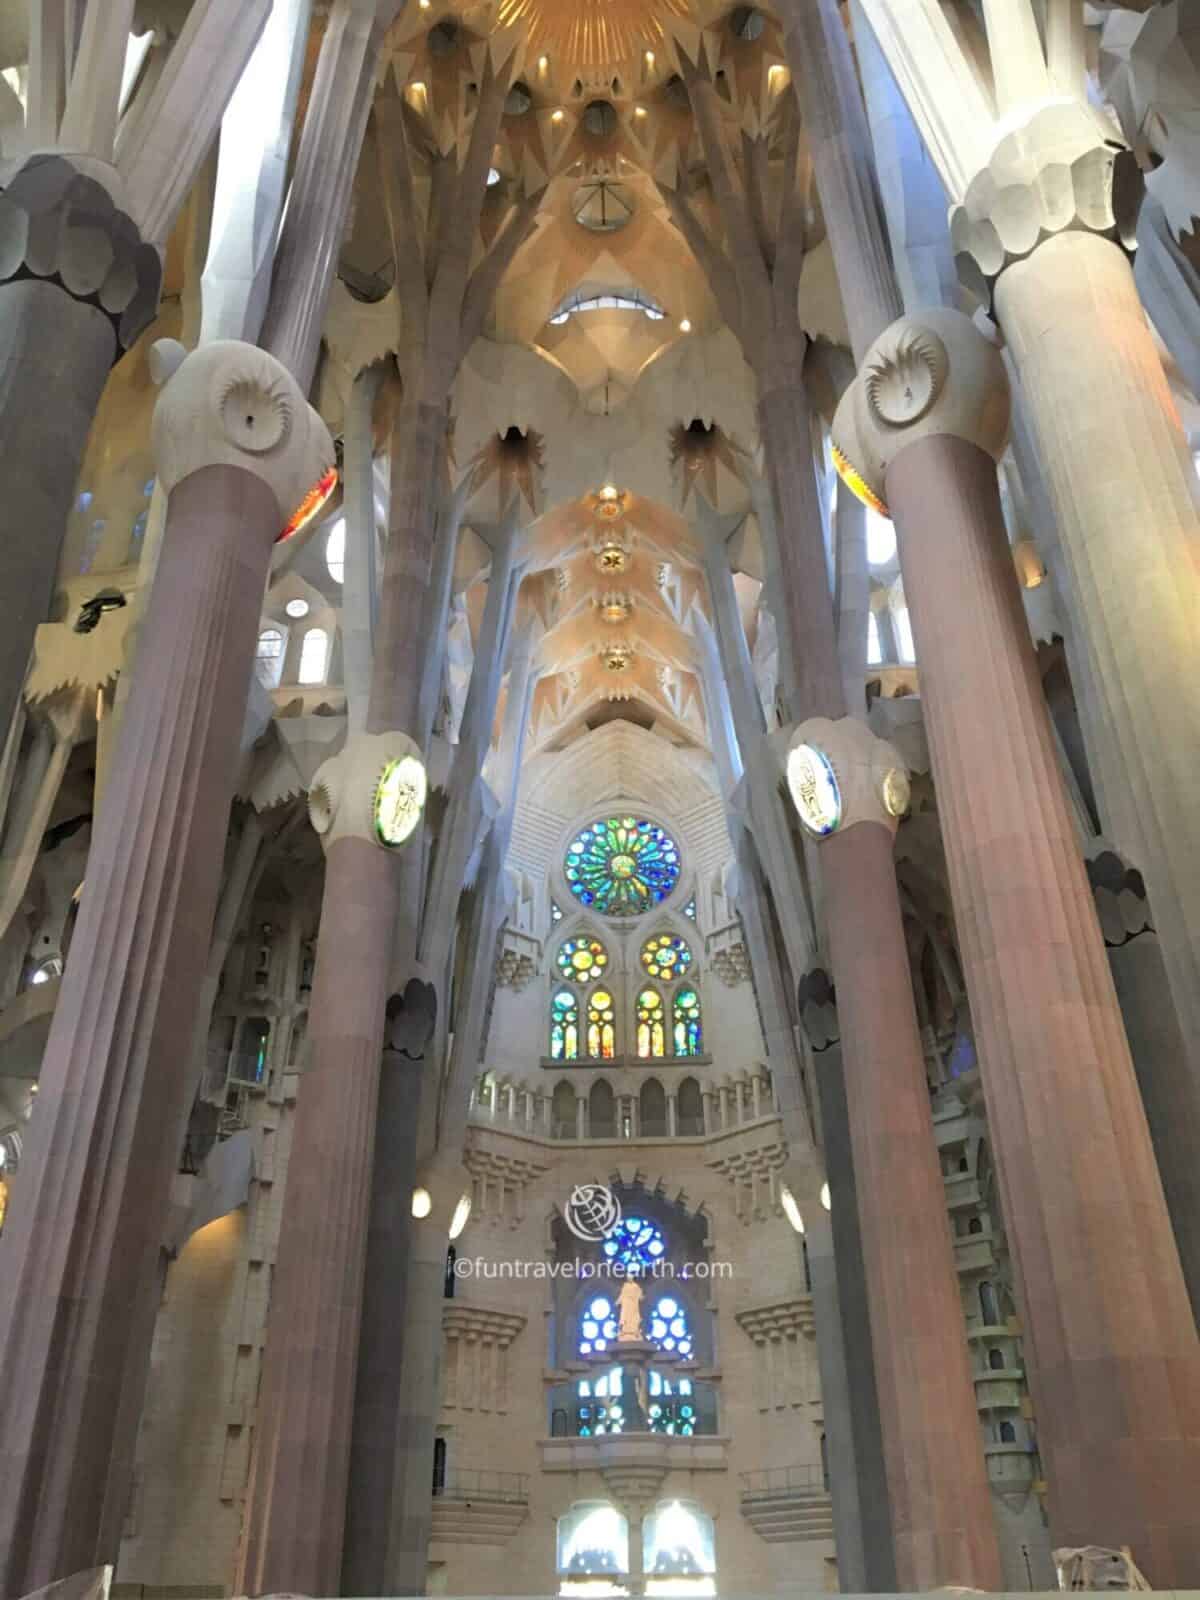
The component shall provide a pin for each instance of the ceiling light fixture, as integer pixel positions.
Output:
(685, 326)
(557, 116)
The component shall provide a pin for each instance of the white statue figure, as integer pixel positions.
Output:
(629, 1304)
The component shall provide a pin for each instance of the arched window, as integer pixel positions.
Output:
(689, 1110)
(651, 1027)
(602, 1112)
(335, 551)
(1008, 1433)
(668, 1325)
(677, 1542)
(652, 1110)
(564, 1027)
(560, 1423)
(687, 1032)
(597, 1325)
(562, 1112)
(439, 1465)
(314, 656)
(666, 956)
(904, 634)
(581, 960)
(601, 1034)
(593, 1542)
(451, 1280)
(996, 1360)
(874, 648)
(268, 660)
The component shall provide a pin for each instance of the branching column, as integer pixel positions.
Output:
(82, 1242)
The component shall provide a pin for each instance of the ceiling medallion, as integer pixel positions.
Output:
(614, 606)
(617, 657)
(612, 558)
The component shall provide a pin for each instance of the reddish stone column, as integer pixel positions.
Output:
(1113, 1352)
(81, 1246)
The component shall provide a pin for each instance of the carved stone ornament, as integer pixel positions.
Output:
(60, 225)
(232, 404)
(840, 774)
(1054, 172)
(928, 374)
(374, 788)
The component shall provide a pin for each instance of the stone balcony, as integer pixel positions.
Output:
(479, 1506)
(633, 1465)
(787, 1505)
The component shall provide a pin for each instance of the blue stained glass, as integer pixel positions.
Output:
(622, 866)
(635, 1243)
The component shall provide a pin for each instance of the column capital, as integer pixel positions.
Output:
(1054, 172)
(59, 221)
(374, 789)
(929, 373)
(840, 774)
(232, 404)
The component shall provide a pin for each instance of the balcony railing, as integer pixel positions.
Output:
(808, 1475)
(482, 1483)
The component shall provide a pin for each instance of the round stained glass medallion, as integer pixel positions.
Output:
(666, 956)
(636, 1244)
(622, 866)
(399, 800)
(814, 788)
(581, 960)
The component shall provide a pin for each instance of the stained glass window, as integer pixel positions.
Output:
(651, 1030)
(688, 1036)
(564, 1026)
(622, 866)
(668, 1325)
(555, 912)
(635, 1243)
(597, 1326)
(672, 1405)
(601, 1036)
(689, 910)
(581, 960)
(666, 956)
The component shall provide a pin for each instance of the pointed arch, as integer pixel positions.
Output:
(687, 1030)
(564, 1025)
(651, 1025)
(563, 1123)
(602, 1111)
(601, 1026)
(652, 1110)
(689, 1110)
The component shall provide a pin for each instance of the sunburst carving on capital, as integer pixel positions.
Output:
(905, 375)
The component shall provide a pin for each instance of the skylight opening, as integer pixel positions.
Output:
(637, 301)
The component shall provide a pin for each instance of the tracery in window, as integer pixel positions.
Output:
(622, 866)
(668, 1325)
(651, 1028)
(689, 910)
(666, 956)
(601, 1032)
(636, 1244)
(564, 1027)
(687, 1032)
(598, 1325)
(581, 960)
(678, 1550)
(600, 1407)
(672, 1405)
(593, 1541)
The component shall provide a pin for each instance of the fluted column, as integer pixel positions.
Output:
(1114, 1358)
(81, 1246)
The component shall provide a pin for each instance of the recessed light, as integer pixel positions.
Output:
(685, 326)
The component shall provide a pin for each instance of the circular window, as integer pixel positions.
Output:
(666, 956)
(622, 866)
(600, 119)
(581, 960)
(518, 101)
(602, 206)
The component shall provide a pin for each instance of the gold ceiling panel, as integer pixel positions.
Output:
(583, 35)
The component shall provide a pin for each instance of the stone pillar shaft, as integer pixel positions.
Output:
(1123, 492)
(83, 1236)
(941, 1509)
(1115, 1361)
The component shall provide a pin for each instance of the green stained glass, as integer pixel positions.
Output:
(564, 1027)
(688, 1038)
(622, 866)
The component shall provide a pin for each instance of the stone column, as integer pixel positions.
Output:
(296, 1500)
(1114, 1358)
(941, 1510)
(235, 445)
(1122, 485)
(77, 287)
